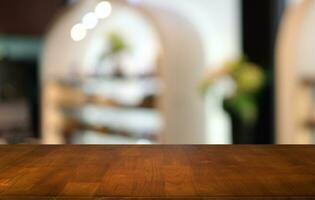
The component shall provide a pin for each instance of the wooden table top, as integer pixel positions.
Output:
(157, 172)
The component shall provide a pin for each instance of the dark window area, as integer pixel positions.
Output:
(260, 20)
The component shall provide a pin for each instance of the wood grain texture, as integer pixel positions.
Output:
(157, 172)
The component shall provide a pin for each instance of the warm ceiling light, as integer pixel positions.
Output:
(89, 20)
(103, 9)
(78, 32)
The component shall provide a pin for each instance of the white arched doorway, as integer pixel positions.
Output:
(295, 72)
(183, 65)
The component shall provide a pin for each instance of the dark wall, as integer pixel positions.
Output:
(260, 26)
(20, 18)
(27, 16)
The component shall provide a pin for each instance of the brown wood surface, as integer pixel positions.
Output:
(157, 172)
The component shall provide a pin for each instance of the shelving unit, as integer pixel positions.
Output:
(116, 107)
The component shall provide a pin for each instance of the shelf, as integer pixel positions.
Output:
(93, 137)
(309, 81)
(310, 124)
(71, 126)
(119, 93)
(124, 120)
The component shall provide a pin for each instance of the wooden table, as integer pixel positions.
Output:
(157, 172)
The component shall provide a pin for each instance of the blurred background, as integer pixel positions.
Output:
(157, 72)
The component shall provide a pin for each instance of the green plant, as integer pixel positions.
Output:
(117, 43)
(248, 79)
